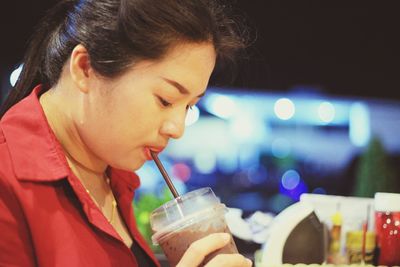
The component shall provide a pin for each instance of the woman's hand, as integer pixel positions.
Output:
(199, 249)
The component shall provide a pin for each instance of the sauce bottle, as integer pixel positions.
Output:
(387, 228)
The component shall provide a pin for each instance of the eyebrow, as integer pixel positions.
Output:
(180, 87)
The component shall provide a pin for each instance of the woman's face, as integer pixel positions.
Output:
(121, 119)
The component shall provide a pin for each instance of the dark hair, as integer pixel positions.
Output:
(118, 33)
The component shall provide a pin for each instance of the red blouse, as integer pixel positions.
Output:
(46, 216)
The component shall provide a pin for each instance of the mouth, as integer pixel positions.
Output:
(148, 149)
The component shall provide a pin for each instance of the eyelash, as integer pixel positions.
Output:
(166, 104)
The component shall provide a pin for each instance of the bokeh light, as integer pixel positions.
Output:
(243, 128)
(284, 108)
(181, 171)
(15, 75)
(221, 106)
(192, 116)
(326, 112)
(359, 124)
(205, 162)
(290, 179)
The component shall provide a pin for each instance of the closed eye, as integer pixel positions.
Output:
(164, 102)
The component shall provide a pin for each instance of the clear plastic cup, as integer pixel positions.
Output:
(192, 216)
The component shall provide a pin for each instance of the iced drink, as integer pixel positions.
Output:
(180, 222)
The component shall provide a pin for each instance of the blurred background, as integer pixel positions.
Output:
(314, 106)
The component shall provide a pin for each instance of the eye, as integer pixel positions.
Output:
(164, 102)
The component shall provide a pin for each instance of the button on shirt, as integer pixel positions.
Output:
(47, 218)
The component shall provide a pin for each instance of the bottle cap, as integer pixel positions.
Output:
(337, 218)
(387, 202)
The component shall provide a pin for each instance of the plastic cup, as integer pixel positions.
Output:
(192, 216)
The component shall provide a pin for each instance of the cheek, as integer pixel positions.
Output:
(117, 126)
(137, 120)
(117, 134)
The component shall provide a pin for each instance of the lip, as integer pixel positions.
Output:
(151, 148)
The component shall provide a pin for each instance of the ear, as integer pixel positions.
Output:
(80, 68)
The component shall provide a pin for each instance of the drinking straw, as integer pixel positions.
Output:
(364, 237)
(164, 174)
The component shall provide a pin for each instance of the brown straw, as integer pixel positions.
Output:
(164, 174)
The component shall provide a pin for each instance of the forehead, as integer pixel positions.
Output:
(189, 64)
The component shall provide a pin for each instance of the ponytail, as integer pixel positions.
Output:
(33, 71)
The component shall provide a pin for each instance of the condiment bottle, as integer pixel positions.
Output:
(334, 255)
(354, 247)
(387, 227)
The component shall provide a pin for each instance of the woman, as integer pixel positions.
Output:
(103, 83)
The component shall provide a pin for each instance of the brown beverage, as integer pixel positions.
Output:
(190, 225)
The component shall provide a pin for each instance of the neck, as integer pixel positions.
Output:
(59, 105)
(57, 109)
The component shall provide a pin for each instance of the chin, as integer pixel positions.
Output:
(135, 165)
(129, 166)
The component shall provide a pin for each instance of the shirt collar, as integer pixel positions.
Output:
(35, 152)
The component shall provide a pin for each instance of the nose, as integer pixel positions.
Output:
(174, 126)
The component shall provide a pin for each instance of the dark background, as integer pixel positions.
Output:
(338, 48)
